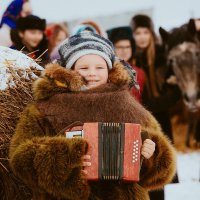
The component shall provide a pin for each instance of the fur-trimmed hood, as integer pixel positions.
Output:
(57, 79)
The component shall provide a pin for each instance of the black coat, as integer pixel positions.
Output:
(168, 94)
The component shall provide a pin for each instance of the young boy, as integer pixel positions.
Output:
(89, 87)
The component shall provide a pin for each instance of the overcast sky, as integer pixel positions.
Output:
(166, 13)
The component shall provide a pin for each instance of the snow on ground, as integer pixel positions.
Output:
(188, 167)
(18, 62)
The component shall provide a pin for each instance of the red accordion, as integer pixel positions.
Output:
(114, 149)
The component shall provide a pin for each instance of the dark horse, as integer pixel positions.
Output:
(183, 54)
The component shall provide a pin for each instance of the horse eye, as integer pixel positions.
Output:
(197, 53)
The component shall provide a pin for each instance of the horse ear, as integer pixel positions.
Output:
(164, 34)
(191, 26)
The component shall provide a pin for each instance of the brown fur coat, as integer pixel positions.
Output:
(50, 164)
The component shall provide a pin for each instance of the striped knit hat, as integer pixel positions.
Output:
(85, 43)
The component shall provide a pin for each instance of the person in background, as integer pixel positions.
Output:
(29, 37)
(158, 96)
(124, 45)
(16, 9)
(55, 33)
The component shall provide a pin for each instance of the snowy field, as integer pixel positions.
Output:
(188, 167)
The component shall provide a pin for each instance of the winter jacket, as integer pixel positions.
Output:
(50, 164)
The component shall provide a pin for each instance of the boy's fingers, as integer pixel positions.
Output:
(84, 171)
(86, 164)
(147, 152)
(86, 157)
(150, 142)
(146, 155)
(148, 148)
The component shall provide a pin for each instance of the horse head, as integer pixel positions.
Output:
(183, 56)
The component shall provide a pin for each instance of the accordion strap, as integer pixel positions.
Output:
(69, 127)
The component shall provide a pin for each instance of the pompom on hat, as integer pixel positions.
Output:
(84, 43)
(82, 27)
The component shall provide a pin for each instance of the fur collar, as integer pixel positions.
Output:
(57, 79)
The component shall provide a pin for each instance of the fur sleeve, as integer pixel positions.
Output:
(47, 164)
(160, 168)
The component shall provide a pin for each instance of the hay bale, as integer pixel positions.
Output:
(17, 72)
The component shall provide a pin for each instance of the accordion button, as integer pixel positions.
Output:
(136, 159)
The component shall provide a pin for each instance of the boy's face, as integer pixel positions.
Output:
(93, 69)
(123, 49)
(31, 38)
(142, 37)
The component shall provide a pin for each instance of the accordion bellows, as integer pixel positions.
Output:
(114, 149)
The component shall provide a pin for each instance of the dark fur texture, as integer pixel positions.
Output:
(183, 54)
(50, 164)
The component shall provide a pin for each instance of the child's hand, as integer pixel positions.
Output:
(148, 148)
(86, 163)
